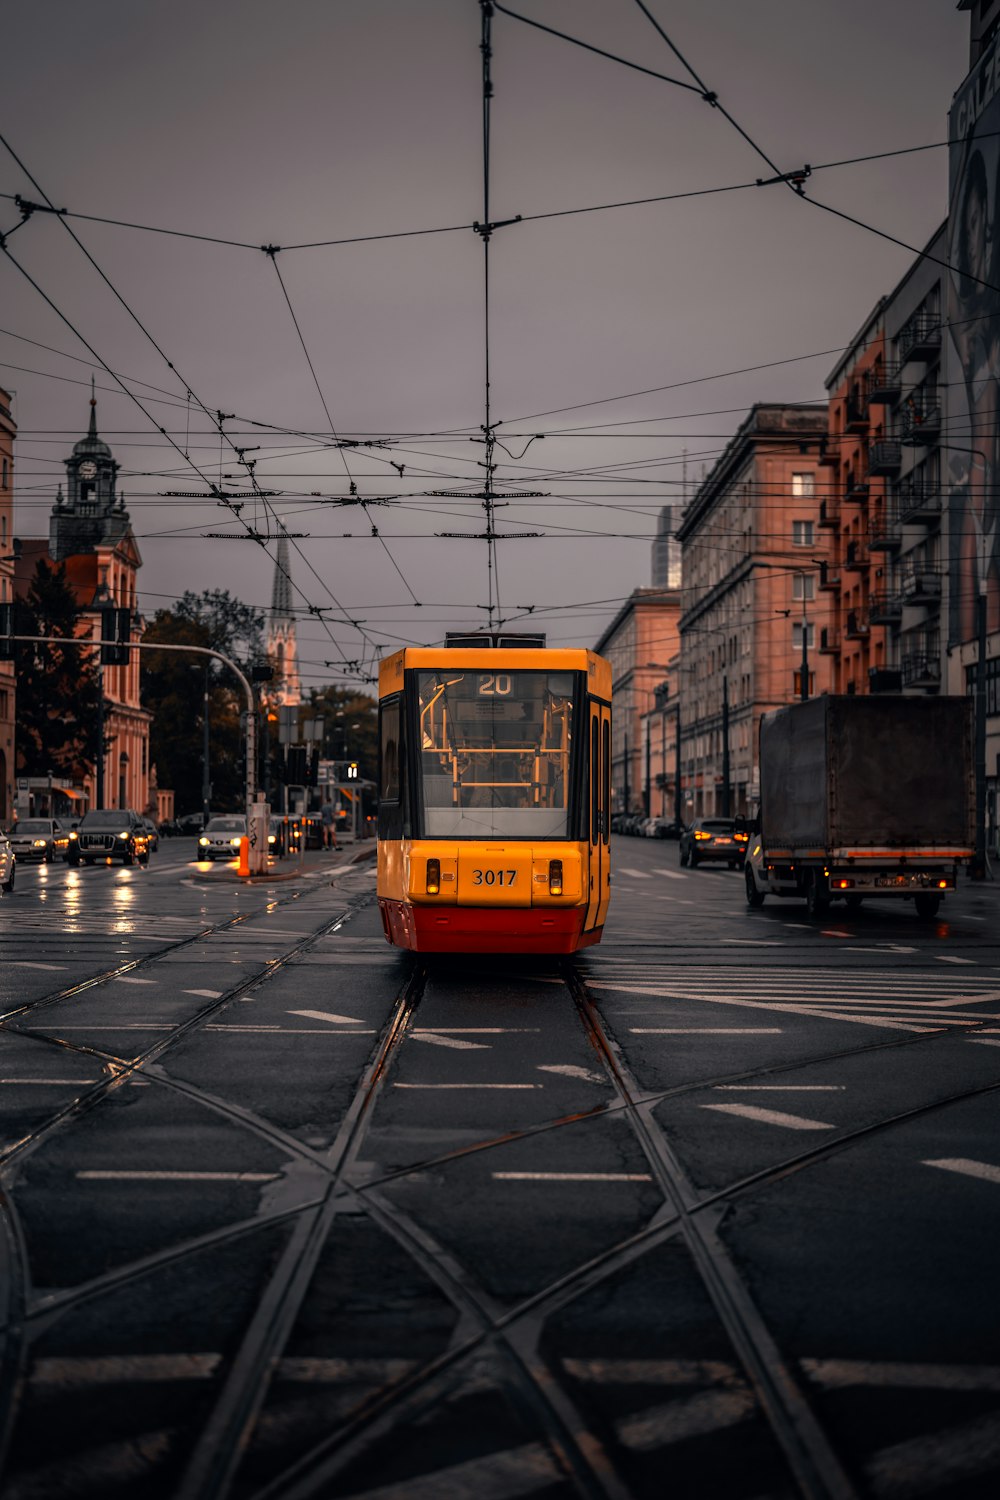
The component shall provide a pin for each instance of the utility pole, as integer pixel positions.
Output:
(979, 865)
(726, 810)
(206, 779)
(625, 798)
(677, 770)
(804, 683)
(647, 794)
(99, 767)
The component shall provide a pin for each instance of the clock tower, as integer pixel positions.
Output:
(90, 514)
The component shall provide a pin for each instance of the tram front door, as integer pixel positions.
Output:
(599, 814)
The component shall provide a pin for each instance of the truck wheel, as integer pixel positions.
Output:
(927, 903)
(854, 903)
(755, 898)
(817, 901)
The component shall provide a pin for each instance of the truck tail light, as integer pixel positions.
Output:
(843, 885)
(555, 877)
(433, 877)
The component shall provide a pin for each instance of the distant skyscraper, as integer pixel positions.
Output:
(666, 552)
(282, 648)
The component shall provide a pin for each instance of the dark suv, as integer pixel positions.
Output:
(110, 833)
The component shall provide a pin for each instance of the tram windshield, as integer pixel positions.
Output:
(495, 753)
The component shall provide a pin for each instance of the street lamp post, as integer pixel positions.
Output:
(206, 777)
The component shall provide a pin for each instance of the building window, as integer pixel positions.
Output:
(810, 636)
(804, 586)
(797, 684)
(4, 704)
(992, 684)
(802, 534)
(804, 486)
(5, 474)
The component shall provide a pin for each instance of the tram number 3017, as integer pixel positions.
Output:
(494, 877)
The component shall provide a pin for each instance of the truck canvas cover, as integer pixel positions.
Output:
(873, 772)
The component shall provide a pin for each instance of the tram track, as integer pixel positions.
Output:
(513, 1332)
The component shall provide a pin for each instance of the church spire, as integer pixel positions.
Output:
(92, 430)
(282, 647)
(281, 588)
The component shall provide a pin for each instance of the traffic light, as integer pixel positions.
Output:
(6, 632)
(297, 765)
(352, 770)
(116, 631)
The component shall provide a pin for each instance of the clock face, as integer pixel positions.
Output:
(88, 470)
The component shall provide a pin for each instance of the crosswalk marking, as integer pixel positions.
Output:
(635, 874)
(770, 1116)
(327, 1015)
(965, 1167)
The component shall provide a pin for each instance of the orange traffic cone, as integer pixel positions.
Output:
(244, 865)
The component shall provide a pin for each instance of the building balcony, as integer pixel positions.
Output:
(856, 557)
(920, 424)
(884, 679)
(883, 533)
(884, 608)
(856, 627)
(883, 385)
(919, 338)
(829, 641)
(884, 457)
(828, 514)
(919, 502)
(829, 575)
(855, 414)
(921, 586)
(856, 487)
(921, 670)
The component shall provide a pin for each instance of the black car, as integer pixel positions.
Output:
(712, 838)
(110, 833)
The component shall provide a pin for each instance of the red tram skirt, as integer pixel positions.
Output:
(485, 929)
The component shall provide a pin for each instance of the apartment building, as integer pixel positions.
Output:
(756, 628)
(8, 431)
(639, 643)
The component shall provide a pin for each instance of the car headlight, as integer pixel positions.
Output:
(234, 842)
(270, 838)
(39, 844)
(74, 834)
(203, 842)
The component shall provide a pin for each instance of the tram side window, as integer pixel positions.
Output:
(389, 753)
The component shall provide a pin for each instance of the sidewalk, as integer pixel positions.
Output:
(312, 865)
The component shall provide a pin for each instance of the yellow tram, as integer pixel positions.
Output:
(494, 796)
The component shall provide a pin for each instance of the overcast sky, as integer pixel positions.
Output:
(336, 119)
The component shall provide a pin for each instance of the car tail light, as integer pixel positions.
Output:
(700, 835)
(843, 885)
(433, 877)
(555, 877)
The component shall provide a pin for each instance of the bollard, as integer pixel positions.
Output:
(244, 865)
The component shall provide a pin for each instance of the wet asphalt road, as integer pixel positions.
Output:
(711, 1210)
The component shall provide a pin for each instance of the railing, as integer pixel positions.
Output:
(829, 576)
(884, 456)
(856, 485)
(918, 501)
(884, 607)
(855, 413)
(920, 336)
(883, 532)
(920, 668)
(883, 384)
(921, 586)
(855, 556)
(827, 513)
(856, 627)
(921, 423)
(829, 641)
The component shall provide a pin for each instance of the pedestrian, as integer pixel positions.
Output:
(329, 831)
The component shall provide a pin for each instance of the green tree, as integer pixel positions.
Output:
(173, 689)
(234, 628)
(57, 686)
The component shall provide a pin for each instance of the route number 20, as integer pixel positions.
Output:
(494, 683)
(494, 877)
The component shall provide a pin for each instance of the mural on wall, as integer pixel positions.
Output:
(973, 312)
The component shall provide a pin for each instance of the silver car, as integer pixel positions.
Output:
(221, 839)
(8, 864)
(44, 839)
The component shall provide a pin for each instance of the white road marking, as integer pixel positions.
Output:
(22, 963)
(948, 958)
(127, 979)
(495, 1476)
(205, 994)
(635, 874)
(468, 1085)
(485, 1030)
(328, 1015)
(571, 1176)
(651, 1371)
(449, 1041)
(705, 1030)
(836, 1374)
(670, 874)
(693, 1416)
(235, 1026)
(966, 1167)
(114, 1369)
(570, 1070)
(943, 1458)
(124, 1175)
(770, 1116)
(780, 1088)
(308, 1369)
(53, 1082)
(754, 942)
(984, 1041)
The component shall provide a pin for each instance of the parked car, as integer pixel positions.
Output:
(190, 823)
(8, 864)
(712, 838)
(110, 833)
(668, 828)
(39, 838)
(152, 833)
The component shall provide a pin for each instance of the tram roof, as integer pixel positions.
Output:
(498, 658)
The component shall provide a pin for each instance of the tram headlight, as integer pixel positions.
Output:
(555, 877)
(433, 877)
